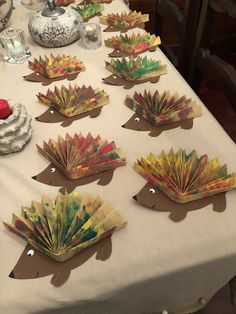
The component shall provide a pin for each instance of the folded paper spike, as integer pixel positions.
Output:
(136, 69)
(74, 100)
(124, 19)
(185, 177)
(133, 43)
(163, 108)
(95, 1)
(56, 66)
(89, 10)
(64, 227)
(80, 156)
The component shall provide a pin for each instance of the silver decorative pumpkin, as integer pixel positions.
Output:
(55, 26)
(5, 12)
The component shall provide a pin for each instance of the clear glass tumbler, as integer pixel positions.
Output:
(37, 5)
(14, 46)
(91, 35)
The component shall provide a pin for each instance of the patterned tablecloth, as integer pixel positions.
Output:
(154, 264)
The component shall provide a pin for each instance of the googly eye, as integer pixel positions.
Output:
(152, 191)
(51, 111)
(53, 169)
(30, 253)
(137, 119)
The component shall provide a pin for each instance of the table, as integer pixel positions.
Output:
(155, 264)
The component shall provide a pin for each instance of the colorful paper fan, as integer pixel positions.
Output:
(95, 1)
(132, 69)
(133, 43)
(89, 10)
(124, 20)
(185, 177)
(74, 100)
(64, 227)
(80, 156)
(63, 3)
(56, 66)
(163, 108)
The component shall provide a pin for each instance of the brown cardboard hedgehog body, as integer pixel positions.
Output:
(152, 198)
(53, 176)
(39, 78)
(32, 264)
(119, 81)
(51, 115)
(137, 123)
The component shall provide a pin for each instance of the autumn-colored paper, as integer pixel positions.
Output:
(88, 10)
(163, 108)
(63, 3)
(185, 177)
(133, 43)
(124, 19)
(74, 100)
(95, 1)
(80, 156)
(56, 66)
(63, 227)
(134, 69)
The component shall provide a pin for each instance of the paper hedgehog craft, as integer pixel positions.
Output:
(72, 103)
(64, 227)
(181, 182)
(88, 11)
(185, 177)
(128, 72)
(81, 159)
(54, 68)
(132, 44)
(124, 21)
(159, 109)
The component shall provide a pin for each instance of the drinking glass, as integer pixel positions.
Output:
(14, 46)
(91, 35)
(37, 5)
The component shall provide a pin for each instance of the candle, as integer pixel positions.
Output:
(91, 36)
(15, 47)
(5, 110)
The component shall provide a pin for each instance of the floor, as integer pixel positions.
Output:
(220, 303)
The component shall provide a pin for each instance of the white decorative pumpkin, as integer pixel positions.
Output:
(15, 131)
(5, 12)
(55, 26)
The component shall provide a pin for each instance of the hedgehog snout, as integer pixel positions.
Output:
(11, 275)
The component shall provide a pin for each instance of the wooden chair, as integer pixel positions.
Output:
(185, 25)
(204, 59)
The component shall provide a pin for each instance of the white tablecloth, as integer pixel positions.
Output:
(155, 264)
